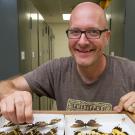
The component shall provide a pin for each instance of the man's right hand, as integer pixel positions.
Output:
(17, 107)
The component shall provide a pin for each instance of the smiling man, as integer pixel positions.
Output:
(88, 80)
(88, 35)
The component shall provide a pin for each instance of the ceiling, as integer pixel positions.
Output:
(52, 10)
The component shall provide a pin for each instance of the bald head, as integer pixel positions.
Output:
(88, 10)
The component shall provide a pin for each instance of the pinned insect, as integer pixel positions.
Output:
(54, 121)
(53, 131)
(15, 131)
(36, 125)
(118, 131)
(90, 123)
(42, 124)
(2, 133)
(9, 124)
(39, 124)
(33, 131)
(78, 133)
(115, 131)
(93, 132)
(97, 132)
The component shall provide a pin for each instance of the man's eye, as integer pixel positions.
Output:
(75, 32)
(93, 32)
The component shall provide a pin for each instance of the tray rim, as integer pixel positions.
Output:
(130, 115)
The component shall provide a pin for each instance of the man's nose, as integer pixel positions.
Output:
(83, 39)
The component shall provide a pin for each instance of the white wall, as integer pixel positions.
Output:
(61, 41)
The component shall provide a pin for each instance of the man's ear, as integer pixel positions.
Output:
(108, 34)
(107, 38)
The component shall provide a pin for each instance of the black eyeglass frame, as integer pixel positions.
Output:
(100, 32)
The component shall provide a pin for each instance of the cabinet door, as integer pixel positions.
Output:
(28, 40)
(41, 41)
(34, 48)
(45, 45)
(34, 38)
(24, 36)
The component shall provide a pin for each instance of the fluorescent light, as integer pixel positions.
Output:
(66, 16)
(41, 17)
(34, 16)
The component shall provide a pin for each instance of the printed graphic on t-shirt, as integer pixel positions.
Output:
(79, 105)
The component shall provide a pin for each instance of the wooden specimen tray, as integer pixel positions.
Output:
(106, 120)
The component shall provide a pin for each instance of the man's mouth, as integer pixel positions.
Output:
(86, 51)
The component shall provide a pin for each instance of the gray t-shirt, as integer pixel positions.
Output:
(60, 80)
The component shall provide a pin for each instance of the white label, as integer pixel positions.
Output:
(33, 54)
(112, 54)
(22, 55)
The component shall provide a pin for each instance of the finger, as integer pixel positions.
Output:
(119, 107)
(134, 108)
(133, 105)
(130, 109)
(3, 107)
(11, 110)
(124, 101)
(121, 103)
(128, 104)
(19, 105)
(130, 101)
(28, 108)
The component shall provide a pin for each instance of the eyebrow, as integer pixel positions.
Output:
(89, 28)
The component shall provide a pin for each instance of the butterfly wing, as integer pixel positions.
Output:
(78, 123)
(93, 123)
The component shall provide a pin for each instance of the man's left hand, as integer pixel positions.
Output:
(127, 103)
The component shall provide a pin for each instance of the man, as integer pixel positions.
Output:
(89, 80)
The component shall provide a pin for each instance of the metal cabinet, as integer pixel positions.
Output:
(24, 42)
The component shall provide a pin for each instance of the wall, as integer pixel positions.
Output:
(8, 39)
(116, 45)
(61, 41)
(129, 49)
(117, 27)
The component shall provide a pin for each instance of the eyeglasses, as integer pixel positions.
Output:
(90, 34)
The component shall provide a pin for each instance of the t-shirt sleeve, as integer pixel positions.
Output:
(41, 80)
(127, 67)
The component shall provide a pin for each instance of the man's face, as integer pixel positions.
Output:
(87, 51)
